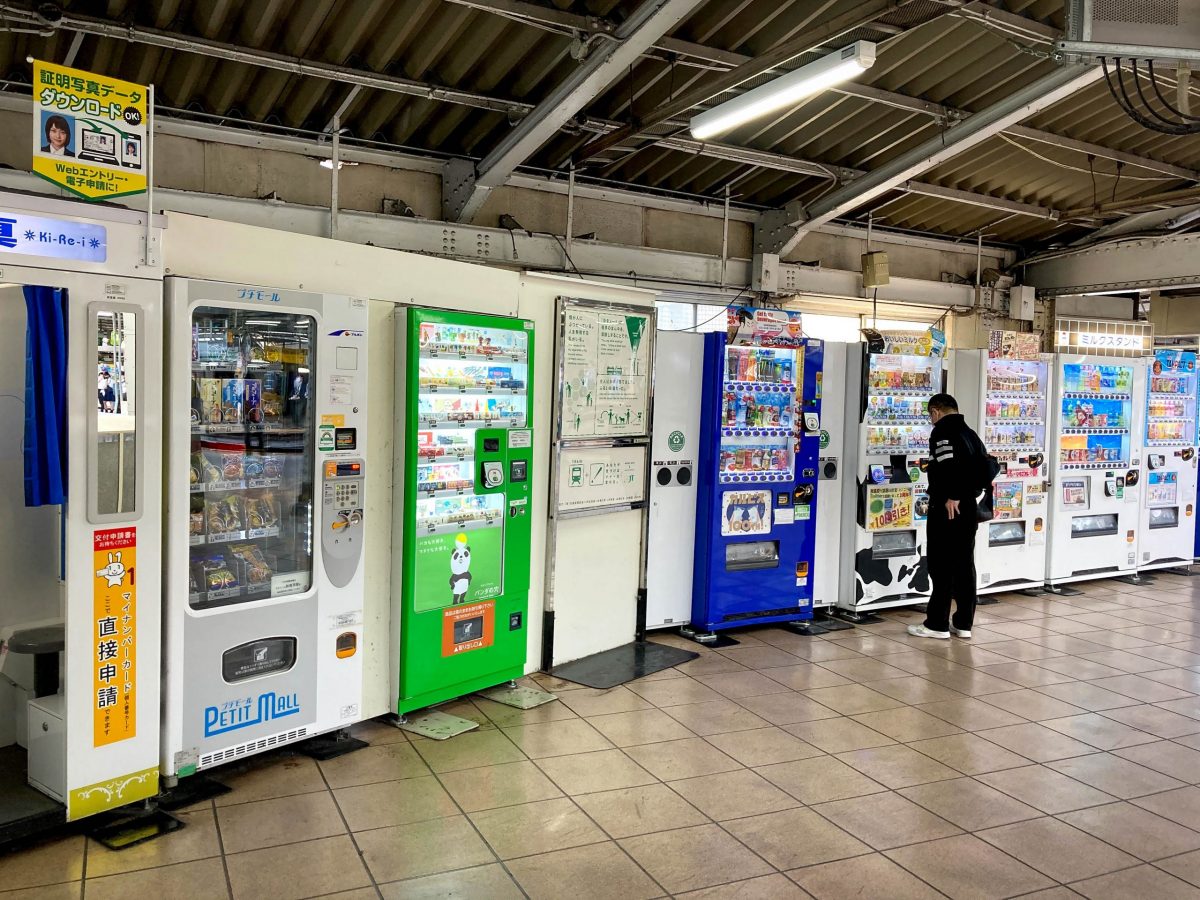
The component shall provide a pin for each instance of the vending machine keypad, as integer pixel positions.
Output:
(342, 518)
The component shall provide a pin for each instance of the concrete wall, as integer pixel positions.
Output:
(1175, 315)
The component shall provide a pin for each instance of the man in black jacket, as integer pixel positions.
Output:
(956, 466)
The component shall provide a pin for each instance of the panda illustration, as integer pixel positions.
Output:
(460, 569)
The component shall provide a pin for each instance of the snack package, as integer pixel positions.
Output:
(253, 412)
(233, 400)
(231, 466)
(195, 523)
(218, 574)
(224, 516)
(271, 398)
(210, 400)
(262, 512)
(257, 570)
(208, 471)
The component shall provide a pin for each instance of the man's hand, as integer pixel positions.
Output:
(951, 508)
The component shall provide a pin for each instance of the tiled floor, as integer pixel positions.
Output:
(1054, 755)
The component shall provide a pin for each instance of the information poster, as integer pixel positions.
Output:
(466, 628)
(764, 327)
(889, 506)
(596, 477)
(605, 372)
(114, 636)
(747, 512)
(1074, 494)
(455, 569)
(1014, 344)
(1007, 500)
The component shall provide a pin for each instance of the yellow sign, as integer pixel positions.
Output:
(114, 636)
(89, 132)
(889, 506)
(337, 421)
(95, 798)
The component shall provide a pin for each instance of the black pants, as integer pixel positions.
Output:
(951, 569)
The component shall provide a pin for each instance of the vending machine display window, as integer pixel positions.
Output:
(1095, 416)
(897, 403)
(758, 413)
(1015, 407)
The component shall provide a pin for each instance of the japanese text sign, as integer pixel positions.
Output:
(114, 635)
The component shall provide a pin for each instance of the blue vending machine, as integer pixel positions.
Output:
(757, 482)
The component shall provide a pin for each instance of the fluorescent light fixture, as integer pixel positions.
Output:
(786, 90)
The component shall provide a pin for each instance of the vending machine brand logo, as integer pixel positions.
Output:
(243, 713)
(675, 441)
(346, 332)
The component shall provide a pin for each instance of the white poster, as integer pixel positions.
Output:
(745, 512)
(595, 477)
(605, 372)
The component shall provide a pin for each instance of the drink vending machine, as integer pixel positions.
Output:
(831, 471)
(1096, 455)
(889, 380)
(465, 447)
(759, 436)
(265, 528)
(1168, 523)
(1004, 398)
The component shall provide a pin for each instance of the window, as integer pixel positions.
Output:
(114, 457)
(831, 328)
(675, 316)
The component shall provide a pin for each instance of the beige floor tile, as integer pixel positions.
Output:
(423, 848)
(969, 804)
(1189, 740)
(762, 657)
(376, 731)
(1099, 731)
(886, 820)
(918, 663)
(68, 890)
(674, 692)
(715, 717)
(536, 828)
(277, 775)
(268, 823)
(1077, 667)
(1167, 757)
(709, 664)
(1036, 742)
(48, 863)
(1135, 830)
(1123, 661)
(1189, 706)
(1023, 650)
(913, 689)
(596, 872)
(1161, 723)
(1181, 805)
(197, 840)
(1086, 695)
(557, 738)
(645, 726)
(297, 870)
(200, 880)
(1047, 790)
(1056, 849)
(1186, 867)
(733, 795)
(690, 858)
(1115, 775)
(1144, 881)
(493, 786)
(1025, 674)
(765, 887)
(592, 702)
(897, 766)
(502, 715)
(1032, 705)
(1141, 688)
(688, 758)
(763, 746)
(394, 803)
(838, 735)
(787, 708)
(387, 762)
(556, 685)
(907, 724)
(736, 685)
(1184, 679)
(805, 676)
(863, 669)
(490, 881)
(774, 837)
(1056, 893)
(602, 770)
(872, 876)
(1169, 656)
(640, 810)
(822, 651)
(971, 714)
(969, 754)
(816, 782)
(852, 699)
(967, 868)
(875, 645)
(971, 682)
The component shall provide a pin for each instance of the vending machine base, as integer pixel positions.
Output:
(435, 725)
(330, 745)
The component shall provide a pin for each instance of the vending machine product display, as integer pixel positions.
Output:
(1004, 399)
(1166, 530)
(268, 412)
(756, 528)
(1096, 454)
(886, 503)
(466, 448)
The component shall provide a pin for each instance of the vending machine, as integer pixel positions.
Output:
(832, 470)
(1166, 530)
(465, 448)
(264, 579)
(759, 435)
(889, 380)
(1096, 453)
(1003, 397)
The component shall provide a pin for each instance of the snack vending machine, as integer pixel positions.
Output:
(889, 380)
(1168, 521)
(1095, 451)
(264, 577)
(1004, 400)
(465, 447)
(755, 525)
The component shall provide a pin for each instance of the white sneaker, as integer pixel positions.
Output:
(922, 631)
(960, 632)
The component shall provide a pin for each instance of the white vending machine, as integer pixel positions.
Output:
(674, 449)
(267, 405)
(1095, 418)
(1167, 527)
(832, 468)
(1005, 400)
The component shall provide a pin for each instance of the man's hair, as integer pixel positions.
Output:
(943, 403)
(60, 123)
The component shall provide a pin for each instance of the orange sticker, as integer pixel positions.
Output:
(338, 421)
(466, 628)
(114, 635)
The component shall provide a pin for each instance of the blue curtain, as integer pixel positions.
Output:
(45, 396)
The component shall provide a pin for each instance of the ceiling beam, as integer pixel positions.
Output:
(606, 63)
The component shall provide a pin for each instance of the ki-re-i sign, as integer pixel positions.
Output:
(89, 132)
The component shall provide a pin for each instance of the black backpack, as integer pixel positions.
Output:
(989, 468)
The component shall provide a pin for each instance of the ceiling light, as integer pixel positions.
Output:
(786, 90)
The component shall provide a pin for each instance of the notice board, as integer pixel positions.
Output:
(601, 477)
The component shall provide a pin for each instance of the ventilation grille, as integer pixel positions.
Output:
(1096, 571)
(1137, 12)
(251, 747)
(763, 614)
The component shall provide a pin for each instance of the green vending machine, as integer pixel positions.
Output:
(468, 471)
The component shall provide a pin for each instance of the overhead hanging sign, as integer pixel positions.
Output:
(1099, 337)
(89, 132)
(1014, 344)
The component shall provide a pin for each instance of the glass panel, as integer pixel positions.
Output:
(1015, 408)
(755, 555)
(1091, 526)
(711, 318)
(1096, 410)
(1001, 534)
(251, 515)
(886, 544)
(898, 392)
(758, 414)
(116, 418)
(1171, 399)
(675, 316)
(1164, 518)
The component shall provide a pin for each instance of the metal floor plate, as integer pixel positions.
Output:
(621, 664)
(518, 697)
(438, 726)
